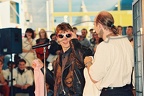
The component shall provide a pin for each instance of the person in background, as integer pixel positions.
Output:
(7, 73)
(4, 89)
(111, 68)
(2, 57)
(54, 48)
(91, 32)
(92, 40)
(43, 39)
(79, 36)
(68, 67)
(98, 40)
(24, 79)
(75, 30)
(119, 29)
(28, 53)
(7, 58)
(129, 33)
(84, 41)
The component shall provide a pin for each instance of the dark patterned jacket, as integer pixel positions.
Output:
(69, 78)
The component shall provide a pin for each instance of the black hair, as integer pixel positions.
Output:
(52, 35)
(130, 27)
(30, 30)
(75, 28)
(21, 60)
(10, 63)
(91, 29)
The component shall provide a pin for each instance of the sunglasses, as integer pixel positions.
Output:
(62, 35)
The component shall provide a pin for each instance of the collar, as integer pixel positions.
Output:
(21, 71)
(66, 53)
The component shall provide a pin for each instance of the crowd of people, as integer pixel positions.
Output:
(106, 56)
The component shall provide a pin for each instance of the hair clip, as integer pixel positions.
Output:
(112, 25)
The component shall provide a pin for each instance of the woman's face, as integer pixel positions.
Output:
(42, 34)
(63, 39)
(96, 36)
(29, 35)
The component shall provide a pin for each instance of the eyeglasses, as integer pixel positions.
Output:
(62, 35)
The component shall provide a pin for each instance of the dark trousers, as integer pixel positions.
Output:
(29, 90)
(120, 91)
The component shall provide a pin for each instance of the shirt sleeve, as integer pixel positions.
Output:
(30, 77)
(5, 74)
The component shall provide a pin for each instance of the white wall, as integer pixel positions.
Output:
(5, 15)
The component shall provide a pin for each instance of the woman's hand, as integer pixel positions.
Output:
(74, 36)
(37, 64)
(25, 86)
(32, 50)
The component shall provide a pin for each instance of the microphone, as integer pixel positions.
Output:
(40, 45)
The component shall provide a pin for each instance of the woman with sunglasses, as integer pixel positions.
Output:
(69, 65)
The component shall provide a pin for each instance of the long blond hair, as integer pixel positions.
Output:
(43, 30)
